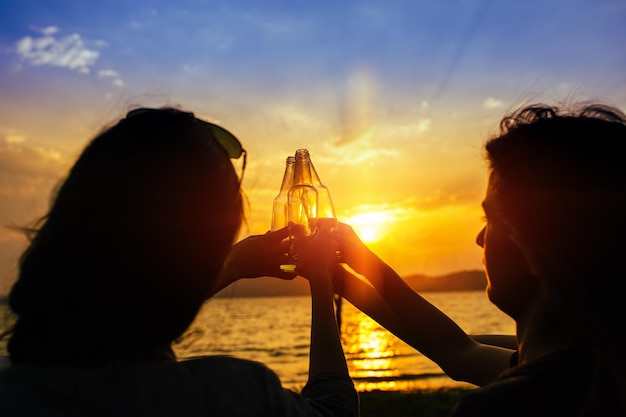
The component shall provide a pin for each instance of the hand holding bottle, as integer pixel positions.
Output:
(352, 250)
(256, 256)
(316, 255)
(302, 200)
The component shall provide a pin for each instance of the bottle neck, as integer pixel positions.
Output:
(324, 206)
(315, 179)
(288, 176)
(302, 171)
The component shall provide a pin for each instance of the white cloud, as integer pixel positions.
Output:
(423, 125)
(28, 174)
(409, 131)
(100, 43)
(19, 157)
(109, 73)
(48, 30)
(293, 117)
(492, 103)
(358, 152)
(68, 52)
(13, 137)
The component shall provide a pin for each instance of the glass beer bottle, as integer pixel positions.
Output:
(325, 208)
(279, 209)
(301, 200)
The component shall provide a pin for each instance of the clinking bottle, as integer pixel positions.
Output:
(325, 208)
(302, 198)
(279, 209)
(301, 202)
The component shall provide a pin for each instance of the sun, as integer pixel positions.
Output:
(371, 226)
(368, 234)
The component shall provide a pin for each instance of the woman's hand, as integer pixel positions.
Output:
(256, 256)
(352, 250)
(316, 255)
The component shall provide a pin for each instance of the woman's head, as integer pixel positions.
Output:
(135, 237)
(558, 178)
(558, 185)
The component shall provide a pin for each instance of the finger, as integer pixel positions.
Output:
(284, 246)
(341, 239)
(279, 234)
(343, 230)
(288, 276)
(324, 228)
(343, 227)
(297, 230)
(338, 233)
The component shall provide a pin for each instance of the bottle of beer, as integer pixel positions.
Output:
(301, 202)
(325, 208)
(279, 209)
(302, 199)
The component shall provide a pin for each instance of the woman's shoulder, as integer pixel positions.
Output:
(224, 368)
(4, 361)
(216, 383)
(221, 369)
(219, 361)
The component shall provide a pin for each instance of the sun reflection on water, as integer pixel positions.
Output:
(276, 332)
(377, 360)
(370, 348)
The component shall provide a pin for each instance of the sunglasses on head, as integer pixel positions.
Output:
(227, 140)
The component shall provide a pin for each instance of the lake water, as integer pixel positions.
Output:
(276, 331)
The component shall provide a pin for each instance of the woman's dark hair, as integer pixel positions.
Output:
(132, 244)
(559, 181)
(561, 173)
(547, 148)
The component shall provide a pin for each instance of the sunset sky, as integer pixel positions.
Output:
(393, 99)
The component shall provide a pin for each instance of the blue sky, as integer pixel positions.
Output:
(393, 99)
(436, 46)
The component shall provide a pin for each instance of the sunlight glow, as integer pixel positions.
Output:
(371, 226)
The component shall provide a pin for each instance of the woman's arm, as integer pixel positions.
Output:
(508, 341)
(329, 381)
(316, 261)
(256, 256)
(391, 302)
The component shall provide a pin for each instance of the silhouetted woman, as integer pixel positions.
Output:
(135, 241)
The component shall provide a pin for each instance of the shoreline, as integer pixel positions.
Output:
(423, 403)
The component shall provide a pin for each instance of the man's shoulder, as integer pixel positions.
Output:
(551, 386)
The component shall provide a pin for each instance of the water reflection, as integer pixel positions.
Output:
(369, 348)
(276, 332)
(378, 360)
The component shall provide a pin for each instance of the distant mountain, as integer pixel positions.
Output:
(455, 281)
(473, 280)
(266, 287)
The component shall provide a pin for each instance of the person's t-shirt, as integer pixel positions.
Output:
(556, 385)
(208, 386)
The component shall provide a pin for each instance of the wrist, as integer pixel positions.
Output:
(229, 274)
(339, 276)
(321, 287)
